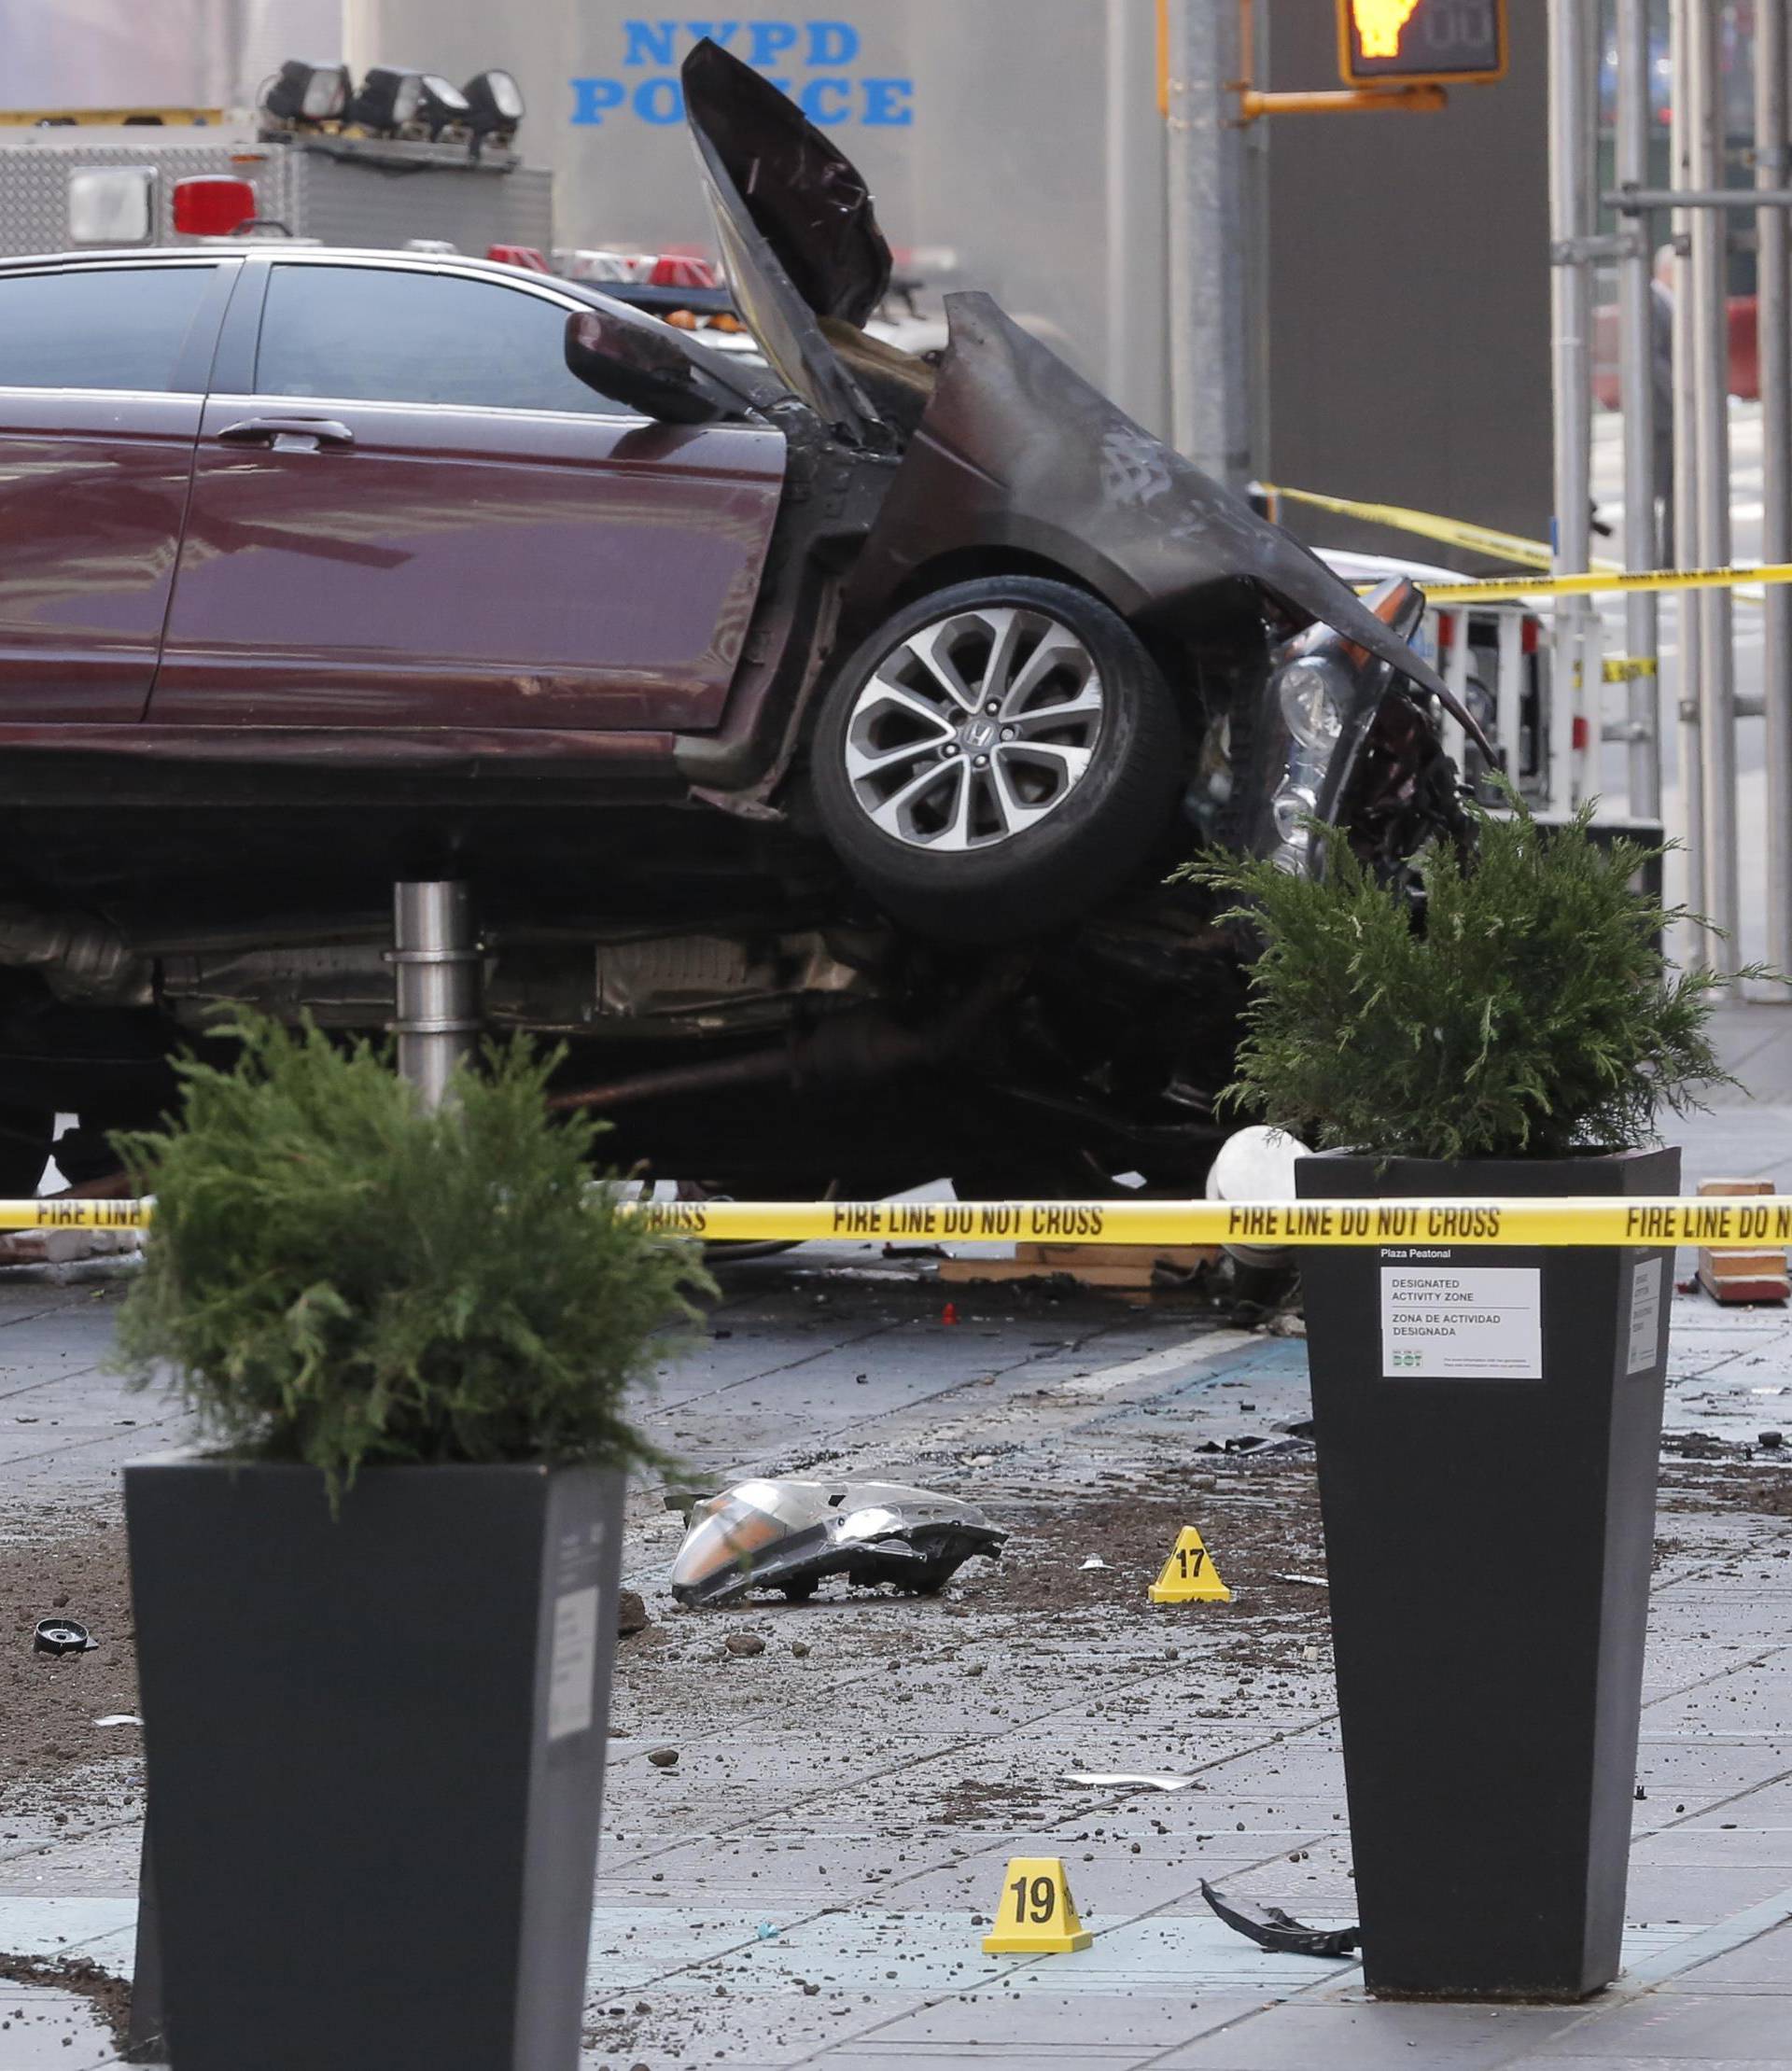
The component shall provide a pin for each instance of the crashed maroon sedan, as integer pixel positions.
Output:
(816, 738)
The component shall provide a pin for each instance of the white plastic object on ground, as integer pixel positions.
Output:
(1256, 1164)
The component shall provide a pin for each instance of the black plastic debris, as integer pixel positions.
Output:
(61, 1636)
(790, 1535)
(1286, 1443)
(1269, 1927)
(1772, 1440)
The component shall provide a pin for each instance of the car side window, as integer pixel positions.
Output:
(367, 334)
(112, 327)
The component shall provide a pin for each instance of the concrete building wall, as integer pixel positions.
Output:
(184, 54)
(1409, 345)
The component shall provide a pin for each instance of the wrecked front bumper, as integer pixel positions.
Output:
(790, 1535)
(1307, 739)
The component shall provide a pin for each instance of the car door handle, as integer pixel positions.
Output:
(289, 434)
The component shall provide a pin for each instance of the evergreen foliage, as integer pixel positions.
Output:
(1528, 1014)
(338, 1276)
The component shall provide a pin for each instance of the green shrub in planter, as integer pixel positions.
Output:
(337, 1276)
(1531, 1015)
(1488, 1417)
(374, 1631)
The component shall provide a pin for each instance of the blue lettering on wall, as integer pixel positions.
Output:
(826, 102)
(832, 43)
(593, 98)
(769, 40)
(659, 100)
(823, 47)
(887, 102)
(649, 42)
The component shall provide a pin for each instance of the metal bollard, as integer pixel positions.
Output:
(436, 970)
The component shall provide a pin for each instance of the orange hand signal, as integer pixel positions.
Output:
(1378, 22)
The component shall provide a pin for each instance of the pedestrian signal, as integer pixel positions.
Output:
(1420, 42)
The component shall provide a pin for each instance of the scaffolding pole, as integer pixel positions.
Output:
(1571, 368)
(1701, 88)
(1694, 950)
(1636, 378)
(1773, 170)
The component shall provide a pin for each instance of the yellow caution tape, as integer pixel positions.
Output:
(1627, 668)
(1607, 576)
(1474, 538)
(1741, 1222)
(1425, 524)
(1602, 584)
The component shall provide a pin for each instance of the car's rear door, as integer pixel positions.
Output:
(407, 513)
(103, 370)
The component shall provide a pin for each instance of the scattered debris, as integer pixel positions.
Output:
(1289, 1441)
(66, 1247)
(1307, 1581)
(663, 1757)
(1124, 1268)
(108, 1996)
(790, 1535)
(1147, 1782)
(1269, 1927)
(1772, 1440)
(1735, 1276)
(631, 1615)
(765, 1931)
(799, 1648)
(1094, 1560)
(949, 1314)
(118, 1718)
(744, 1644)
(61, 1636)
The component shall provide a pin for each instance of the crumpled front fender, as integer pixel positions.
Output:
(1016, 450)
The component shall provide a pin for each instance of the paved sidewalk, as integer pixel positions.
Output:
(808, 1884)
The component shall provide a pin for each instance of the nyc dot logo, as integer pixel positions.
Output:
(818, 63)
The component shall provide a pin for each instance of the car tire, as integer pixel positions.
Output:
(981, 825)
(25, 1136)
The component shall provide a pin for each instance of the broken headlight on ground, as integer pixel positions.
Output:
(790, 1535)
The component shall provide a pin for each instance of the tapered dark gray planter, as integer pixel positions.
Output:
(375, 1751)
(1487, 1452)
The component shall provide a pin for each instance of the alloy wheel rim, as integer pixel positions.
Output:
(974, 729)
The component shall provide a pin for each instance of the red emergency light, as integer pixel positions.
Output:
(212, 204)
(683, 270)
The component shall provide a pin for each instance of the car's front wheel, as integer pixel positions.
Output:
(996, 758)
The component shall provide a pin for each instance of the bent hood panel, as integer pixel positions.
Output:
(1017, 449)
(798, 236)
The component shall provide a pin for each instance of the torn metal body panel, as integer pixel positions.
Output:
(792, 1535)
(1271, 1927)
(1017, 450)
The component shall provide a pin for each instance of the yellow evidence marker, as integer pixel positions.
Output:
(1189, 1575)
(1036, 1915)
